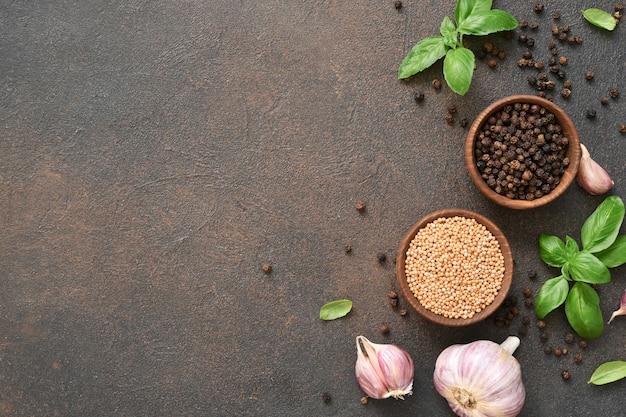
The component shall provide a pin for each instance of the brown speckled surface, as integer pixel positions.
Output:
(155, 154)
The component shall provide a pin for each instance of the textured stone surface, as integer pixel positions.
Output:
(155, 154)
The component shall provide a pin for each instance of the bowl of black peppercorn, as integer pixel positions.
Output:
(522, 152)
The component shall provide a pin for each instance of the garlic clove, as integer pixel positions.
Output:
(591, 176)
(622, 309)
(383, 370)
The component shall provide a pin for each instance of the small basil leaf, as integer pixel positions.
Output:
(608, 372)
(587, 268)
(582, 308)
(571, 248)
(600, 18)
(487, 21)
(335, 309)
(551, 295)
(552, 250)
(614, 255)
(565, 271)
(449, 33)
(425, 53)
(464, 8)
(458, 69)
(601, 228)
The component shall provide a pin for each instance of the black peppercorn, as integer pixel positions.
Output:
(397, 4)
(614, 93)
(382, 257)
(534, 25)
(522, 38)
(436, 84)
(419, 96)
(326, 398)
(566, 374)
(530, 42)
(523, 23)
(539, 7)
(583, 344)
(384, 329)
(589, 75)
(578, 358)
(547, 349)
(569, 338)
(591, 114)
(604, 101)
(622, 128)
(556, 16)
(566, 92)
(541, 324)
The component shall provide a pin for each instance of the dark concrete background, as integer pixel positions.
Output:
(155, 154)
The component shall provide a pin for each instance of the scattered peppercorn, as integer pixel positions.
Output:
(566, 92)
(622, 128)
(534, 25)
(392, 294)
(566, 375)
(326, 398)
(543, 337)
(557, 351)
(539, 7)
(614, 93)
(556, 16)
(591, 114)
(463, 122)
(419, 96)
(532, 274)
(348, 248)
(525, 320)
(564, 351)
(617, 15)
(547, 349)
(541, 324)
(579, 40)
(360, 206)
(364, 400)
(382, 257)
(569, 338)
(528, 302)
(523, 23)
(563, 60)
(451, 109)
(555, 30)
(384, 329)
(522, 38)
(267, 268)
(618, 7)
(583, 344)
(397, 4)
(527, 292)
(393, 302)
(403, 311)
(492, 63)
(565, 28)
(449, 118)
(604, 101)
(567, 84)
(530, 42)
(578, 358)
(436, 84)
(589, 75)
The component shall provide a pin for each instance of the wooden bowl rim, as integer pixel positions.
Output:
(573, 152)
(506, 281)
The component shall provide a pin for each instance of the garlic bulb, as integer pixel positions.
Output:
(481, 379)
(383, 371)
(591, 176)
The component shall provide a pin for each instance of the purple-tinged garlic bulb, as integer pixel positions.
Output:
(481, 379)
(383, 370)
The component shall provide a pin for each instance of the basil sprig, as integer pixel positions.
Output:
(473, 17)
(602, 248)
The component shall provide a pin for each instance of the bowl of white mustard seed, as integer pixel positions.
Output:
(454, 267)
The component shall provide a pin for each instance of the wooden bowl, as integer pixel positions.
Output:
(573, 152)
(415, 303)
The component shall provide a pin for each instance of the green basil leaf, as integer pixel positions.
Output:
(565, 271)
(582, 308)
(600, 18)
(601, 228)
(458, 69)
(571, 248)
(335, 309)
(487, 21)
(552, 250)
(614, 255)
(608, 372)
(551, 295)
(449, 33)
(425, 53)
(586, 267)
(464, 8)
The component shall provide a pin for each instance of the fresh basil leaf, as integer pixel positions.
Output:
(464, 8)
(449, 33)
(582, 308)
(608, 372)
(600, 18)
(487, 21)
(552, 250)
(335, 309)
(458, 69)
(601, 228)
(571, 248)
(614, 255)
(551, 295)
(565, 271)
(586, 267)
(425, 53)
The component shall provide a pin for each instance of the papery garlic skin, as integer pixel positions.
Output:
(591, 176)
(481, 379)
(383, 370)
